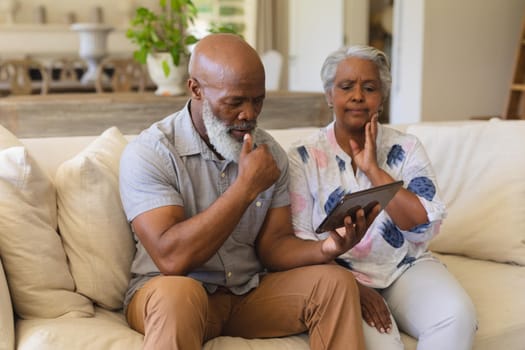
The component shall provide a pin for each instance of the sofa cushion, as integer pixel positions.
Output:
(7, 330)
(480, 170)
(295, 342)
(96, 234)
(106, 330)
(34, 260)
(7, 139)
(109, 330)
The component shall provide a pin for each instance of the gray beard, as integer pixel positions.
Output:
(218, 134)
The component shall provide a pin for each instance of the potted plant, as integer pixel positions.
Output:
(162, 38)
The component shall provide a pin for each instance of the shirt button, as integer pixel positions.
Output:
(258, 204)
(229, 274)
(223, 174)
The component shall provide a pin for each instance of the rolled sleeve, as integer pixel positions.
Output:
(146, 184)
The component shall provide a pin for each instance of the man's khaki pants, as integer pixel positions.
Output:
(175, 312)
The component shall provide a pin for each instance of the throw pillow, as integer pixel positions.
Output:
(480, 170)
(97, 237)
(34, 260)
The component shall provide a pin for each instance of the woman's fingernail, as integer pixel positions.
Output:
(382, 330)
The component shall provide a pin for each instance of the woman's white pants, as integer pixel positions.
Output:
(427, 303)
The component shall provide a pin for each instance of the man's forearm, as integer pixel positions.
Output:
(289, 252)
(192, 242)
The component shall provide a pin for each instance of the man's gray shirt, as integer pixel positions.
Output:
(169, 164)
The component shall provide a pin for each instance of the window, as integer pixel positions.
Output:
(236, 14)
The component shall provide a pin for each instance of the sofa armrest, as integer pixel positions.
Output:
(7, 327)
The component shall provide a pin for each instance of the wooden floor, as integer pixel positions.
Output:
(91, 113)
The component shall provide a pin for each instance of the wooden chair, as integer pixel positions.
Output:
(68, 69)
(17, 73)
(127, 75)
(515, 102)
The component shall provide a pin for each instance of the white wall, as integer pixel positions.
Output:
(453, 60)
(315, 30)
(407, 61)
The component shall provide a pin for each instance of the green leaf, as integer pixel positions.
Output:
(165, 68)
(190, 40)
(176, 5)
(192, 10)
(142, 12)
(130, 33)
(140, 55)
(154, 36)
(175, 54)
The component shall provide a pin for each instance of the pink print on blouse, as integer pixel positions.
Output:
(363, 248)
(298, 202)
(320, 156)
(409, 146)
(362, 278)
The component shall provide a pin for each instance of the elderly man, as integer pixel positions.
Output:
(206, 193)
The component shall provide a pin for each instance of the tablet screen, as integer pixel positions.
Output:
(351, 202)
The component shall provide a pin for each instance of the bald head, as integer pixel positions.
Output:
(220, 59)
(227, 85)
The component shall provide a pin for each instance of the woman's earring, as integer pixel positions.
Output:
(331, 106)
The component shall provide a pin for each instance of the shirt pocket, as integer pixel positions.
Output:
(251, 222)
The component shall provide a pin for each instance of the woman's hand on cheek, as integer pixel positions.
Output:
(365, 158)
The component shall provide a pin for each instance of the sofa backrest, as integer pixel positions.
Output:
(480, 169)
(478, 164)
(50, 152)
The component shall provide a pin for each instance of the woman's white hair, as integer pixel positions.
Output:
(360, 51)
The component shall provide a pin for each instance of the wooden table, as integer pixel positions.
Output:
(91, 113)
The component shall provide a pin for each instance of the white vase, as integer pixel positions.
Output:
(93, 47)
(172, 85)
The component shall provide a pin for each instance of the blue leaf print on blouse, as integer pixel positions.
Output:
(420, 228)
(392, 235)
(333, 199)
(303, 153)
(341, 164)
(395, 156)
(423, 187)
(406, 260)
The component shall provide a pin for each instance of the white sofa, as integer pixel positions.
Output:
(62, 291)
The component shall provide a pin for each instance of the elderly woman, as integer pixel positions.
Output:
(401, 284)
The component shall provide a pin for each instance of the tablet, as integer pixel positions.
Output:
(350, 203)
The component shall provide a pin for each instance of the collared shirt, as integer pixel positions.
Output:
(169, 164)
(321, 173)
